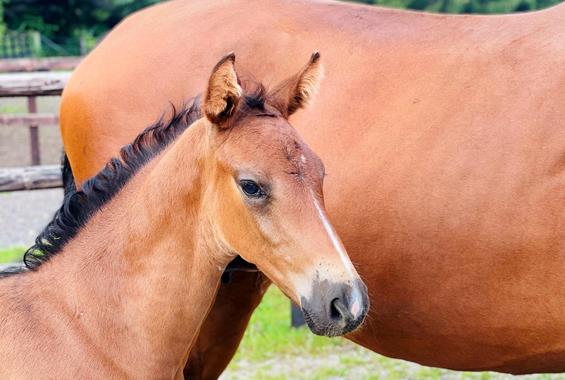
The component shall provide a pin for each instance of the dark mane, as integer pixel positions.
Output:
(79, 205)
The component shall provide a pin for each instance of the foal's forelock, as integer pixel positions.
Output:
(256, 103)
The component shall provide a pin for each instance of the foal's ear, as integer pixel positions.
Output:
(295, 92)
(223, 93)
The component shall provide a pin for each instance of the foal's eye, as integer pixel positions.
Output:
(251, 188)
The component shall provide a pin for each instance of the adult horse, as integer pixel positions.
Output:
(124, 275)
(443, 138)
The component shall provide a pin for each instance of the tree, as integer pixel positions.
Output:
(69, 22)
(60, 18)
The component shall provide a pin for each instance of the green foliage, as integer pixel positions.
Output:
(467, 6)
(63, 18)
(68, 26)
(2, 24)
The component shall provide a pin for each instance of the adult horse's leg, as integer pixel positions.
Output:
(225, 324)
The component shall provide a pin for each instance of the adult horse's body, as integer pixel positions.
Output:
(121, 279)
(444, 142)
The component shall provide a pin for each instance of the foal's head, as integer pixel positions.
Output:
(266, 196)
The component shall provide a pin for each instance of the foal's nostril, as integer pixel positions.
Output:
(334, 312)
(339, 311)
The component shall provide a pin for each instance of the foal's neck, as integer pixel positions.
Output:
(141, 276)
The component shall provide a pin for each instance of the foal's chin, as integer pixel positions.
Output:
(324, 327)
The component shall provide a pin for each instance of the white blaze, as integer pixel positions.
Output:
(356, 297)
(334, 239)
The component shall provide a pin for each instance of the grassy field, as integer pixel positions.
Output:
(271, 350)
(10, 255)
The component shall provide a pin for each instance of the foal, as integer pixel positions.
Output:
(121, 280)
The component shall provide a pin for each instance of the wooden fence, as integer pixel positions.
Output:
(30, 178)
(18, 80)
(42, 64)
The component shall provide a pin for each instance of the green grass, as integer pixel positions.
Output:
(271, 350)
(10, 108)
(12, 254)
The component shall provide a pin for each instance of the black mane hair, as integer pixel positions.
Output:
(80, 205)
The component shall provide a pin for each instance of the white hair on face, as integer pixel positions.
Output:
(336, 242)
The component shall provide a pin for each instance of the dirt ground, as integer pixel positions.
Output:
(23, 214)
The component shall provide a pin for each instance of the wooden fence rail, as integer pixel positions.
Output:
(33, 84)
(28, 119)
(30, 178)
(38, 64)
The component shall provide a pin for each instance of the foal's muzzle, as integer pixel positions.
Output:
(335, 308)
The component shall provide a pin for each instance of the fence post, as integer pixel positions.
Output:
(33, 132)
(35, 43)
